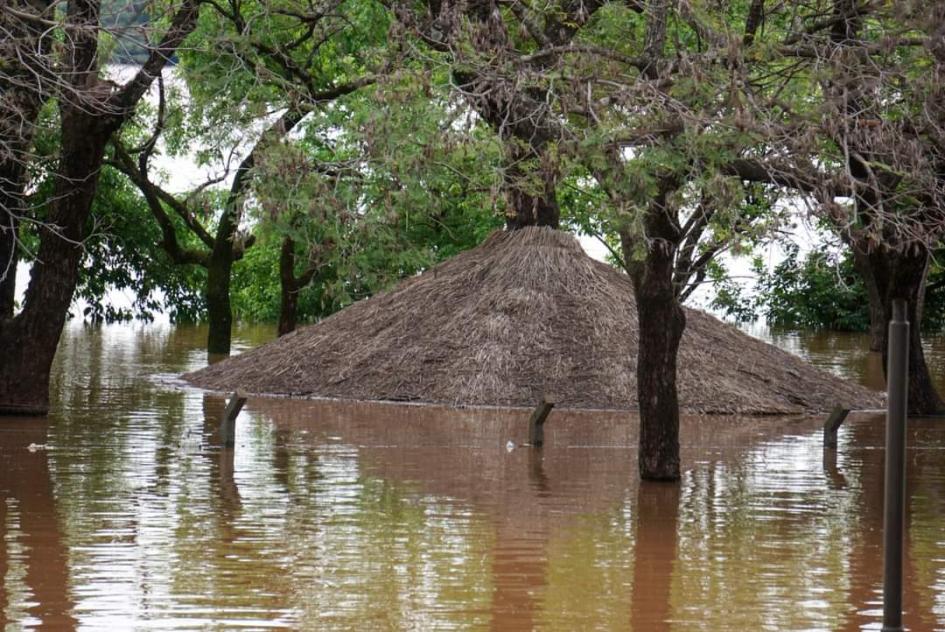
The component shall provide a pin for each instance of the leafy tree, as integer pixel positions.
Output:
(50, 54)
(382, 184)
(631, 102)
(820, 291)
(267, 66)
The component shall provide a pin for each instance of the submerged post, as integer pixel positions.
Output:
(897, 380)
(833, 424)
(536, 424)
(228, 423)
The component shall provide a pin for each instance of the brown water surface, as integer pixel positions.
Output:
(122, 511)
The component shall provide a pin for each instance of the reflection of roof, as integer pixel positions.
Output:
(524, 314)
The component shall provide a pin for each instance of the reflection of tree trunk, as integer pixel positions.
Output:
(865, 565)
(655, 552)
(873, 375)
(25, 477)
(281, 462)
(520, 562)
(222, 467)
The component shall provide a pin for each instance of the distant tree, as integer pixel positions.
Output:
(820, 291)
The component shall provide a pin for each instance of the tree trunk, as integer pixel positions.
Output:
(22, 94)
(878, 320)
(289, 306)
(661, 324)
(30, 339)
(902, 275)
(528, 207)
(219, 311)
(9, 258)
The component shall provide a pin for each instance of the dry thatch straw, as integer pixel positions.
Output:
(524, 314)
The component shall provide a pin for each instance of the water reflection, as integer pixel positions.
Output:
(33, 556)
(656, 553)
(328, 515)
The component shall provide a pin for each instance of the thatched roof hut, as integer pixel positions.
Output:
(524, 314)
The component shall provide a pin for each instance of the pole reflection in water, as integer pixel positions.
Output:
(519, 560)
(339, 516)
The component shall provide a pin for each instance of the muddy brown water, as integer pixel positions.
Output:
(122, 511)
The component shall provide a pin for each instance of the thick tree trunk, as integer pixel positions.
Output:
(661, 324)
(9, 258)
(22, 94)
(30, 339)
(289, 305)
(288, 311)
(90, 113)
(528, 206)
(878, 321)
(529, 182)
(219, 311)
(902, 275)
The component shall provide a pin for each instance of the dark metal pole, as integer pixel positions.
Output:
(897, 380)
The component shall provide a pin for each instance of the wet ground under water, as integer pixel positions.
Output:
(123, 511)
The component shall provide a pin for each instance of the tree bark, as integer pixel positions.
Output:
(661, 324)
(30, 340)
(861, 264)
(9, 259)
(22, 93)
(529, 205)
(526, 206)
(902, 275)
(219, 310)
(90, 112)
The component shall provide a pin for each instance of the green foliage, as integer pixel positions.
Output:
(121, 256)
(381, 185)
(819, 291)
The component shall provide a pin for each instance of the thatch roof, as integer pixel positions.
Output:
(524, 314)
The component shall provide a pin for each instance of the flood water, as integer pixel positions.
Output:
(123, 511)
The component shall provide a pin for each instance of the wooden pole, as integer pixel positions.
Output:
(837, 416)
(897, 382)
(536, 424)
(228, 423)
